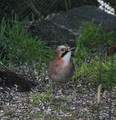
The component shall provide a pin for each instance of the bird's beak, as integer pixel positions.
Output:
(71, 49)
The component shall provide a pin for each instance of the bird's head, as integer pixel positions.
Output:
(63, 52)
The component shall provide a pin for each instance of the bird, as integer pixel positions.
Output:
(61, 68)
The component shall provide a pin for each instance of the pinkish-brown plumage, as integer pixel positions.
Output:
(61, 69)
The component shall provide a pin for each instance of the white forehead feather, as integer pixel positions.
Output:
(62, 46)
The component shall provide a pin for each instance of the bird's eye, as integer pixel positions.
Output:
(62, 49)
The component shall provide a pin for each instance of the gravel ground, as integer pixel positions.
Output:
(74, 101)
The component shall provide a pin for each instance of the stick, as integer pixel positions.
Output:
(98, 93)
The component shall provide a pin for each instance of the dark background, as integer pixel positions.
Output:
(23, 8)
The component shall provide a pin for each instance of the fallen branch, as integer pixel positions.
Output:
(10, 78)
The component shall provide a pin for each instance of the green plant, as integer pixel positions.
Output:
(90, 71)
(68, 4)
(21, 47)
(90, 38)
(46, 97)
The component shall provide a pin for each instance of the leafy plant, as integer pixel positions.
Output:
(68, 4)
(21, 47)
(91, 37)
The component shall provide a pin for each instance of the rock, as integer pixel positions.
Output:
(51, 33)
(73, 18)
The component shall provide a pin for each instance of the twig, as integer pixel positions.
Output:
(5, 66)
(98, 93)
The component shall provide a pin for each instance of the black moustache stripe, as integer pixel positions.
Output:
(64, 53)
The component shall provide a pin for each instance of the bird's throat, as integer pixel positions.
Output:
(66, 57)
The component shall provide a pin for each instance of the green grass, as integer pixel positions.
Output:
(91, 36)
(46, 98)
(20, 47)
(67, 4)
(88, 53)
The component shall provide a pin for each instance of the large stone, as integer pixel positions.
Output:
(73, 18)
(52, 33)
